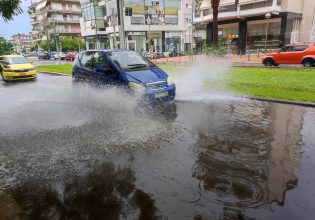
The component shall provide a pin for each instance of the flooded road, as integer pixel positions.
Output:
(81, 153)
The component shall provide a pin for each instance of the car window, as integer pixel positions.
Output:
(300, 48)
(128, 59)
(87, 60)
(286, 49)
(100, 61)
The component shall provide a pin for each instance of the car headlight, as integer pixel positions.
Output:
(136, 87)
(32, 69)
(7, 70)
(170, 81)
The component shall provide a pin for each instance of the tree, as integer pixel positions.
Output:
(5, 47)
(215, 7)
(67, 44)
(9, 9)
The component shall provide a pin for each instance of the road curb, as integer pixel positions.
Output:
(54, 73)
(305, 104)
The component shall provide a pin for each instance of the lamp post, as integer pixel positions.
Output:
(267, 16)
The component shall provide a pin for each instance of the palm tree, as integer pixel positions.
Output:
(215, 7)
(10, 8)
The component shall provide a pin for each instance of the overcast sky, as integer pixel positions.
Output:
(20, 24)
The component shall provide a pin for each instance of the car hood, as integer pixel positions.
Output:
(21, 66)
(146, 75)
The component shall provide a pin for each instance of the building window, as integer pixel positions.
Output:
(267, 3)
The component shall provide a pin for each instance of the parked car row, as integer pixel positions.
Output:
(56, 55)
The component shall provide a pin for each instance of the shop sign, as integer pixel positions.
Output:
(136, 33)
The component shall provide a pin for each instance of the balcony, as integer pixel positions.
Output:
(67, 31)
(60, 11)
(64, 21)
(242, 10)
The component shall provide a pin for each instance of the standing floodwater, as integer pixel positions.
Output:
(83, 153)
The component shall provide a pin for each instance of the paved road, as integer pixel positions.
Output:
(77, 152)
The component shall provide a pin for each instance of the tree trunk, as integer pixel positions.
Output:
(215, 7)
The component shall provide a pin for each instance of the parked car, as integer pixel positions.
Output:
(44, 56)
(71, 56)
(16, 67)
(292, 54)
(61, 54)
(127, 69)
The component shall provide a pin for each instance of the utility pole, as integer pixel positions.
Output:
(114, 26)
(57, 43)
(122, 26)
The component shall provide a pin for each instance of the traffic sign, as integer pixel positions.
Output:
(229, 36)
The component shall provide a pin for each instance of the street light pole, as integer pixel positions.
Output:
(267, 16)
(122, 25)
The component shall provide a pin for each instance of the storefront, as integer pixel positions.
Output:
(173, 41)
(263, 34)
(96, 42)
(136, 40)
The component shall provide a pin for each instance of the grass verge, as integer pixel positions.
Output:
(63, 68)
(294, 84)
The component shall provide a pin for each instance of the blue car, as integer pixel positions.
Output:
(126, 69)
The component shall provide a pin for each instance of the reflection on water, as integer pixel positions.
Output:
(106, 193)
(252, 161)
(90, 155)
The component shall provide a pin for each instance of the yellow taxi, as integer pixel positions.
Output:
(16, 67)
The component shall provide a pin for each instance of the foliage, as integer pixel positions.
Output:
(10, 8)
(5, 47)
(67, 44)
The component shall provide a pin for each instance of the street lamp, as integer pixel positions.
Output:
(267, 16)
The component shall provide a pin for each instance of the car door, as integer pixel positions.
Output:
(86, 72)
(283, 57)
(298, 53)
(104, 73)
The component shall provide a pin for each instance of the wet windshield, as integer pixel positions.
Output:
(17, 60)
(129, 60)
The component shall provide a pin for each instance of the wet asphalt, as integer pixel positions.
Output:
(85, 153)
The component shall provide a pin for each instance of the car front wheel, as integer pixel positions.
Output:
(308, 62)
(4, 80)
(268, 62)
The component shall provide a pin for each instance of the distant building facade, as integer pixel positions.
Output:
(50, 16)
(282, 21)
(21, 42)
(163, 25)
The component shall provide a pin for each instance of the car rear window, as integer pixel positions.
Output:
(300, 48)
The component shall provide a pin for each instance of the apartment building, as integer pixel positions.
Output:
(162, 25)
(50, 16)
(21, 42)
(257, 24)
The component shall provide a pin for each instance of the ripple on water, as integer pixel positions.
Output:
(233, 190)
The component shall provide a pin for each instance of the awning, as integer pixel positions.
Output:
(41, 5)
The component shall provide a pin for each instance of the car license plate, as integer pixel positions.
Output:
(161, 95)
(22, 74)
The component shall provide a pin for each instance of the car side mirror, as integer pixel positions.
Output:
(31, 62)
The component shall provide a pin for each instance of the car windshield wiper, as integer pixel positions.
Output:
(136, 65)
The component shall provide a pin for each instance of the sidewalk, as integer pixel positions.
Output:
(235, 60)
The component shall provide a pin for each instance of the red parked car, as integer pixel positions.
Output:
(292, 54)
(71, 56)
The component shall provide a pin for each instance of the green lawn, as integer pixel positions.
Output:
(63, 68)
(296, 84)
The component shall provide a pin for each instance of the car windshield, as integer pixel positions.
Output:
(17, 60)
(129, 60)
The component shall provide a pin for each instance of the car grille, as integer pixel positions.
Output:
(156, 85)
(21, 71)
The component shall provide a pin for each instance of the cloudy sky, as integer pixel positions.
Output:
(20, 24)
